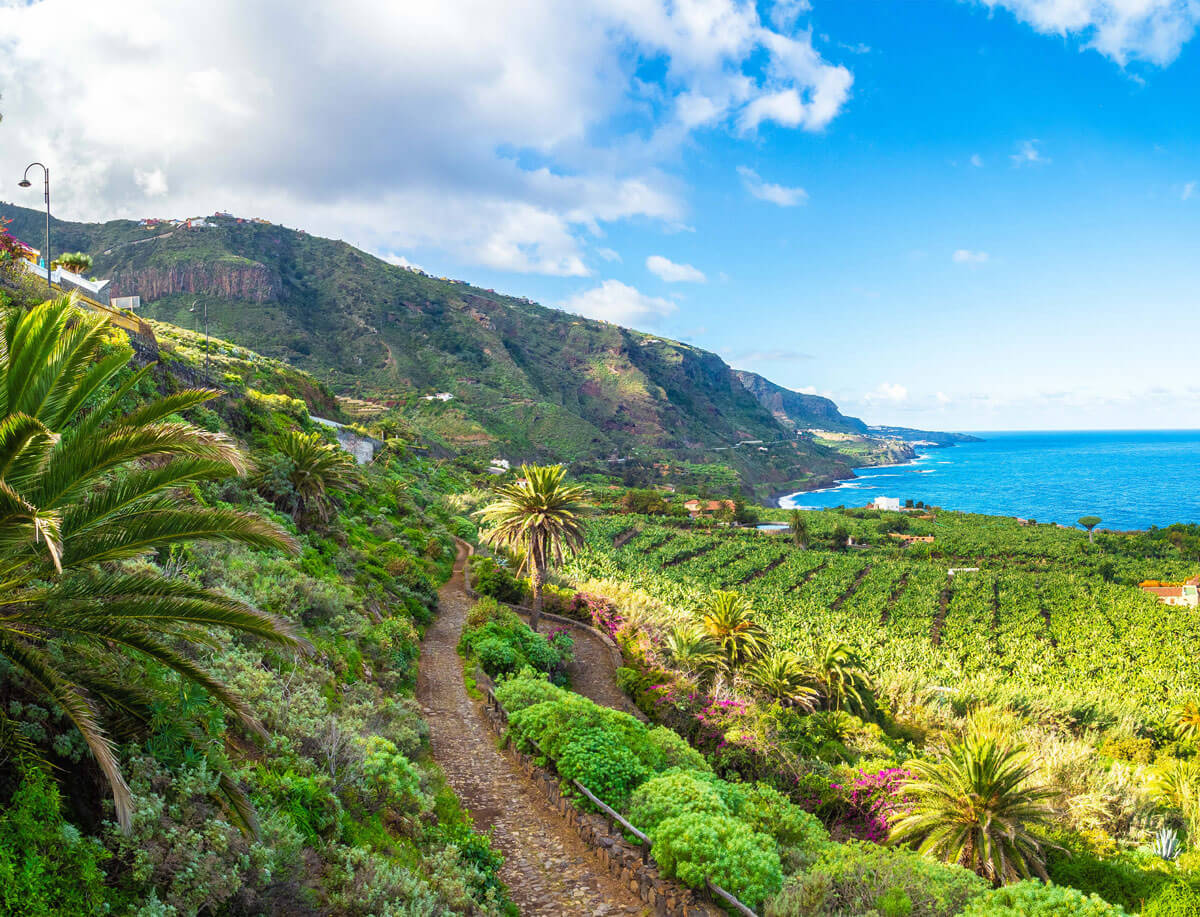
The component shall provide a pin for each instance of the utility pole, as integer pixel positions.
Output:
(193, 310)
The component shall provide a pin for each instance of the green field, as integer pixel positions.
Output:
(1046, 618)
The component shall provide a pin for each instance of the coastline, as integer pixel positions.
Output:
(832, 482)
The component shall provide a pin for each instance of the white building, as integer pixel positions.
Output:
(892, 503)
(440, 396)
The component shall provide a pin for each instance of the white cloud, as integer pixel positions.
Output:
(765, 191)
(942, 398)
(153, 183)
(1123, 30)
(966, 256)
(1188, 190)
(671, 272)
(501, 134)
(619, 303)
(976, 160)
(891, 392)
(401, 261)
(609, 254)
(1028, 153)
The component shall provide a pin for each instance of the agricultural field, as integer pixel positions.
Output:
(1033, 612)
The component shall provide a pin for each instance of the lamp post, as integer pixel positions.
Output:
(193, 310)
(25, 183)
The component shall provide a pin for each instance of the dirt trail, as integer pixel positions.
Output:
(548, 869)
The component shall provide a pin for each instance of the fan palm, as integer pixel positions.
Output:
(689, 647)
(974, 808)
(540, 515)
(1187, 720)
(316, 470)
(82, 488)
(782, 676)
(729, 620)
(841, 678)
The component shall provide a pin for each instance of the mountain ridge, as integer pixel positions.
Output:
(524, 381)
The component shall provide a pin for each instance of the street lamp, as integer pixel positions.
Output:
(25, 183)
(193, 310)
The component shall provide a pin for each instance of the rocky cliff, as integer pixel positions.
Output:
(797, 410)
(248, 281)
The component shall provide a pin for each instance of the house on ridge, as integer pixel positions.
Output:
(1185, 594)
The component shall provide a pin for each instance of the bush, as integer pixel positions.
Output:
(46, 867)
(504, 644)
(1178, 900)
(608, 769)
(526, 689)
(672, 795)
(857, 877)
(696, 847)
(1115, 879)
(1033, 899)
(490, 579)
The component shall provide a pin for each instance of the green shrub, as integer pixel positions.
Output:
(857, 877)
(393, 779)
(1178, 900)
(504, 644)
(674, 751)
(696, 847)
(46, 866)
(672, 795)
(490, 579)
(526, 689)
(1033, 899)
(608, 769)
(1115, 879)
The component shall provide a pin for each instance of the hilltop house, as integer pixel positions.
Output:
(1186, 594)
(890, 503)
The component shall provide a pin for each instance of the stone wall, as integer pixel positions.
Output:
(623, 861)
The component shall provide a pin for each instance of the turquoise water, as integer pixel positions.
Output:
(1131, 479)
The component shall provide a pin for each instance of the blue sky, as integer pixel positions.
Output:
(963, 215)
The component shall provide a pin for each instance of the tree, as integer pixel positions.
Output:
(305, 482)
(86, 484)
(975, 808)
(729, 620)
(782, 676)
(798, 526)
(1187, 720)
(689, 647)
(541, 516)
(75, 262)
(1089, 523)
(841, 679)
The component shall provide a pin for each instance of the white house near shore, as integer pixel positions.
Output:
(892, 503)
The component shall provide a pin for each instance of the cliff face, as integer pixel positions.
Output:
(797, 410)
(249, 282)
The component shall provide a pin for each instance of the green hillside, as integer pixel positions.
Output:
(797, 410)
(527, 382)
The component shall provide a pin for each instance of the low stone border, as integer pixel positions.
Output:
(622, 860)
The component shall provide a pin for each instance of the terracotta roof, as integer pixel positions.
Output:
(1166, 592)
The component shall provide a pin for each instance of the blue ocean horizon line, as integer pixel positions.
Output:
(1132, 479)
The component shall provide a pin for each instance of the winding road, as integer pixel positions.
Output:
(549, 871)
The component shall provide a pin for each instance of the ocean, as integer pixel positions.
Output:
(1131, 479)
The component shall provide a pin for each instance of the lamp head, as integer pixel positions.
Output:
(24, 183)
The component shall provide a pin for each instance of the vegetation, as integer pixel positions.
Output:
(154, 650)
(538, 516)
(977, 808)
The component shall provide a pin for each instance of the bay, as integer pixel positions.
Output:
(1132, 479)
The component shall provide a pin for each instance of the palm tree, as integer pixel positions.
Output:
(1187, 720)
(782, 676)
(798, 526)
(315, 470)
(729, 620)
(83, 488)
(689, 647)
(539, 515)
(841, 678)
(974, 808)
